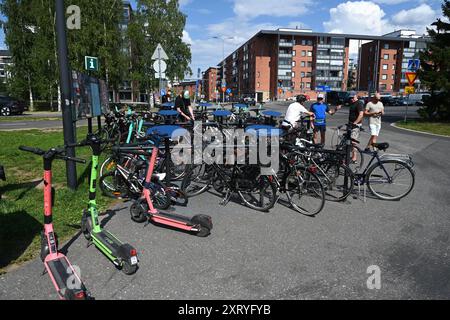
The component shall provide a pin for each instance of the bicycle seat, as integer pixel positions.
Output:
(263, 130)
(222, 113)
(381, 146)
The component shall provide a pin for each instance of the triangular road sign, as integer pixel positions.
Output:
(411, 77)
(160, 53)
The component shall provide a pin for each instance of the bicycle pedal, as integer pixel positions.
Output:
(225, 200)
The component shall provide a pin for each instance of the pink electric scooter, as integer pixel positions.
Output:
(143, 210)
(67, 283)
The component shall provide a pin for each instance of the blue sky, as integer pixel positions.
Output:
(238, 20)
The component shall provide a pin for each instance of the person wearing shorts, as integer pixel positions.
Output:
(374, 110)
(320, 110)
(356, 117)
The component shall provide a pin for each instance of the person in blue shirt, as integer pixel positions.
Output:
(320, 110)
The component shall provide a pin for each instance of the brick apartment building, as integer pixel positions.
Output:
(385, 62)
(209, 81)
(283, 63)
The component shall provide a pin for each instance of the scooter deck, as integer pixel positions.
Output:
(62, 274)
(109, 241)
(172, 216)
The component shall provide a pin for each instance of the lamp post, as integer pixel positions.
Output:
(223, 61)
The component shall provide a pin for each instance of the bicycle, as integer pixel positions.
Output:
(388, 171)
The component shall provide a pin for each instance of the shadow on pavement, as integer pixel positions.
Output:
(17, 231)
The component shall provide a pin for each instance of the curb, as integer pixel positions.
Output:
(394, 125)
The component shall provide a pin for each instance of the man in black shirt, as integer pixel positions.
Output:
(356, 116)
(183, 106)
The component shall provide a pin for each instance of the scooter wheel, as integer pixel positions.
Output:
(139, 211)
(205, 224)
(129, 269)
(86, 225)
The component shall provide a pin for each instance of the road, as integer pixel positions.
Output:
(281, 254)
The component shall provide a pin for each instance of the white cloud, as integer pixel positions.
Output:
(249, 9)
(419, 17)
(359, 17)
(187, 38)
(184, 2)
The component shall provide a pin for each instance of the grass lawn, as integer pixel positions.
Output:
(21, 207)
(429, 127)
(22, 118)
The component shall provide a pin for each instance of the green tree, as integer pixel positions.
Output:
(158, 21)
(435, 69)
(31, 37)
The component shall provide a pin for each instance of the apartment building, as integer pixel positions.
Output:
(384, 63)
(209, 81)
(278, 64)
(5, 61)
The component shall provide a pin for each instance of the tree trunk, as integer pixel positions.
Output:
(59, 99)
(30, 91)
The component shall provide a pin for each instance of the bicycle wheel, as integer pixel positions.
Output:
(305, 192)
(390, 180)
(333, 177)
(262, 196)
(113, 186)
(196, 180)
(356, 165)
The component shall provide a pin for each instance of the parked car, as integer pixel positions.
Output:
(10, 106)
(338, 97)
(400, 101)
(388, 100)
(417, 99)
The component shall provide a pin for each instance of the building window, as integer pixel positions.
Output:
(294, 63)
(309, 53)
(293, 74)
(385, 66)
(294, 53)
(392, 87)
(393, 67)
(303, 53)
(383, 86)
(308, 85)
(302, 74)
(386, 57)
(259, 85)
(393, 76)
(309, 64)
(302, 63)
(386, 46)
(384, 77)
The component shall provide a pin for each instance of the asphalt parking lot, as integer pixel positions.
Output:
(282, 254)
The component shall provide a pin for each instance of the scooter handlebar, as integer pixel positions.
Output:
(32, 150)
(78, 160)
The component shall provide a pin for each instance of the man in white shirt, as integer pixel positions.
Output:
(374, 110)
(295, 112)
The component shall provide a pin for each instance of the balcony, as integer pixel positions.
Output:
(284, 77)
(285, 66)
(328, 78)
(286, 44)
(324, 46)
(285, 55)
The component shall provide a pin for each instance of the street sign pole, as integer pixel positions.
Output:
(68, 128)
(160, 73)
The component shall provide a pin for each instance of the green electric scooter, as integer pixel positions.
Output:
(123, 255)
